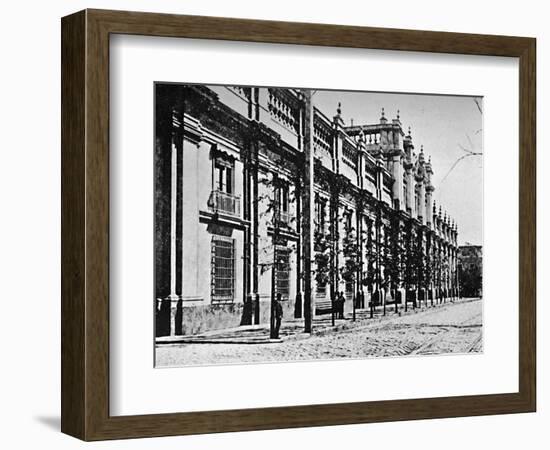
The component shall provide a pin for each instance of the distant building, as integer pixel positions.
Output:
(229, 200)
(470, 270)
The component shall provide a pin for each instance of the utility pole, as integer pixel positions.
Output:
(307, 219)
(276, 219)
(333, 253)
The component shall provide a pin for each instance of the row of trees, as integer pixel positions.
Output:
(381, 255)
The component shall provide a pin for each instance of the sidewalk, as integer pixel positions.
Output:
(292, 329)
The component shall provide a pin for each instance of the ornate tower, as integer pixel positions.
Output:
(419, 174)
(429, 192)
(408, 166)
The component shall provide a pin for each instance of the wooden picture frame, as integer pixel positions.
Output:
(85, 224)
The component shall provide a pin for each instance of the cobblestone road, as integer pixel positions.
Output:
(448, 328)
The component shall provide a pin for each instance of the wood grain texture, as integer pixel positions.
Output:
(527, 224)
(73, 108)
(85, 224)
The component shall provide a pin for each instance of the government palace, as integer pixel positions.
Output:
(249, 181)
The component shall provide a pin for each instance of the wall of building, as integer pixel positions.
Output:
(372, 164)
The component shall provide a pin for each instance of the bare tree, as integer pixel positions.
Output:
(470, 150)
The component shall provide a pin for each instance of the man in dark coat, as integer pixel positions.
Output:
(278, 315)
(341, 301)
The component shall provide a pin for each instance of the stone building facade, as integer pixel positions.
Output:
(229, 198)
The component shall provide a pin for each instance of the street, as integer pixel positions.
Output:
(447, 328)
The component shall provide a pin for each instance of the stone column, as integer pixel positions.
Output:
(172, 297)
(429, 207)
(410, 192)
(173, 207)
(262, 100)
(421, 211)
(338, 141)
(397, 172)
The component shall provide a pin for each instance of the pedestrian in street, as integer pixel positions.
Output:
(278, 315)
(341, 301)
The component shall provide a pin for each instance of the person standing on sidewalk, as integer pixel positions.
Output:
(278, 315)
(341, 301)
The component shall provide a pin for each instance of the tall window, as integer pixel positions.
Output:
(348, 223)
(319, 215)
(282, 199)
(282, 271)
(223, 176)
(222, 198)
(222, 269)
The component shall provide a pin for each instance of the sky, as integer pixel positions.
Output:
(445, 125)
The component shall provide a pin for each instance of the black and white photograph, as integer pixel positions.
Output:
(301, 224)
(275, 225)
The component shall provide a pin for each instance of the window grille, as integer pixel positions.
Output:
(282, 272)
(320, 215)
(223, 269)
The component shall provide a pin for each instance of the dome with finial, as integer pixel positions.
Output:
(338, 117)
(421, 155)
(397, 119)
(429, 165)
(407, 138)
(383, 117)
